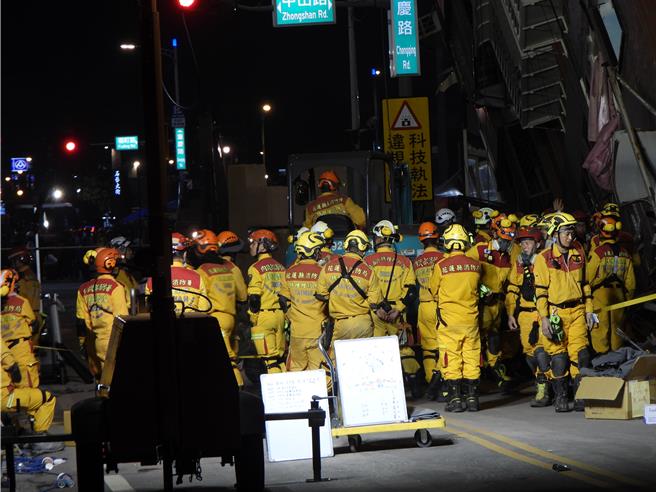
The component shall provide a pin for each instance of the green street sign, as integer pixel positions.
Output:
(289, 13)
(127, 143)
(180, 158)
(404, 39)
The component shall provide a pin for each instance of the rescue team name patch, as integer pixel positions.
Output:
(428, 260)
(13, 304)
(216, 269)
(361, 270)
(268, 265)
(458, 264)
(181, 277)
(101, 285)
(303, 272)
(386, 259)
(327, 202)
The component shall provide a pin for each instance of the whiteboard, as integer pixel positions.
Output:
(370, 381)
(292, 392)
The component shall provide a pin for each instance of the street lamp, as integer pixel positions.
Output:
(57, 194)
(128, 46)
(266, 109)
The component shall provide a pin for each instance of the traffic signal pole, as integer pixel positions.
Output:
(161, 301)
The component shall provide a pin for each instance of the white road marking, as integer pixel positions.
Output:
(116, 483)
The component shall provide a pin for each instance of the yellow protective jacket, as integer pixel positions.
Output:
(394, 284)
(306, 313)
(17, 317)
(520, 293)
(127, 280)
(424, 266)
(333, 203)
(222, 286)
(559, 282)
(99, 301)
(344, 300)
(30, 288)
(454, 284)
(610, 263)
(495, 266)
(265, 279)
(7, 361)
(187, 288)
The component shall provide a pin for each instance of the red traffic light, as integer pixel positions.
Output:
(186, 4)
(70, 146)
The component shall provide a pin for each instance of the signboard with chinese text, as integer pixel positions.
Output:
(406, 130)
(130, 142)
(117, 182)
(180, 156)
(404, 39)
(303, 12)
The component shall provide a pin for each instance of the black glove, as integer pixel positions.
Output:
(14, 372)
(284, 303)
(254, 303)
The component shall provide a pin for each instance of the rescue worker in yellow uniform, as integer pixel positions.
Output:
(327, 234)
(292, 238)
(38, 403)
(99, 302)
(624, 239)
(28, 286)
(17, 320)
(265, 279)
(223, 290)
(523, 314)
(350, 287)
(612, 280)
(124, 275)
(188, 288)
(483, 220)
(564, 303)
(454, 285)
(494, 257)
(398, 286)
(331, 202)
(427, 315)
(305, 312)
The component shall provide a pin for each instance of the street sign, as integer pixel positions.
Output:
(117, 182)
(403, 38)
(289, 13)
(19, 164)
(406, 129)
(130, 142)
(180, 157)
(177, 117)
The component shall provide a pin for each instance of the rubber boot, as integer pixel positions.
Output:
(471, 393)
(579, 405)
(542, 394)
(414, 384)
(561, 403)
(434, 387)
(454, 400)
(504, 381)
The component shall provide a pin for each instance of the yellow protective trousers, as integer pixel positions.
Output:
(359, 326)
(529, 321)
(460, 351)
(490, 323)
(408, 359)
(227, 325)
(575, 338)
(38, 403)
(21, 349)
(304, 355)
(267, 335)
(427, 324)
(603, 336)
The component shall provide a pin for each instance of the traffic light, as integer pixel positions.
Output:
(70, 146)
(186, 4)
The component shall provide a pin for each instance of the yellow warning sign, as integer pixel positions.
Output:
(407, 137)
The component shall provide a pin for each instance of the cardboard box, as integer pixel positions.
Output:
(617, 398)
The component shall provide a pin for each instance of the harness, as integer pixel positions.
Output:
(345, 274)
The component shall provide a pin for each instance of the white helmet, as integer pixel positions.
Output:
(386, 230)
(320, 227)
(292, 238)
(444, 217)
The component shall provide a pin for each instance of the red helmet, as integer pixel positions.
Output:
(529, 233)
(427, 230)
(265, 237)
(179, 243)
(205, 241)
(504, 227)
(329, 179)
(106, 259)
(609, 226)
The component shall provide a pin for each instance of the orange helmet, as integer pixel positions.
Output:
(8, 278)
(609, 226)
(229, 242)
(329, 179)
(504, 227)
(106, 260)
(427, 230)
(205, 241)
(529, 233)
(179, 243)
(265, 237)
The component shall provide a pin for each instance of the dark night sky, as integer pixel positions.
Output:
(64, 75)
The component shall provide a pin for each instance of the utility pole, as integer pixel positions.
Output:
(353, 77)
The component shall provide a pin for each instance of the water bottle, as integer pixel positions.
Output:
(48, 463)
(64, 481)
